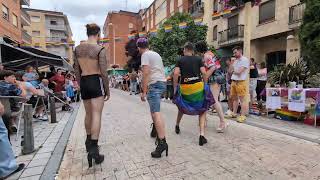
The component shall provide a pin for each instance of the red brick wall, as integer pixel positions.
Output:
(120, 23)
(168, 8)
(6, 27)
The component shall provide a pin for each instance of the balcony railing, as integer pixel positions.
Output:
(231, 36)
(197, 8)
(26, 38)
(296, 14)
(25, 2)
(25, 18)
(57, 27)
(56, 39)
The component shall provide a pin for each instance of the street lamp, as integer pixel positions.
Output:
(114, 43)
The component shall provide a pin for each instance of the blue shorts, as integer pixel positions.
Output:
(155, 92)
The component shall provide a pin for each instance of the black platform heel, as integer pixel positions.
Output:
(161, 146)
(202, 140)
(94, 154)
(88, 142)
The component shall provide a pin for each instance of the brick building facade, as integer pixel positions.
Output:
(117, 27)
(10, 21)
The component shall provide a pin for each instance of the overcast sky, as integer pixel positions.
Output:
(82, 12)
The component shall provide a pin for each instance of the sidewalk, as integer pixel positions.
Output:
(46, 137)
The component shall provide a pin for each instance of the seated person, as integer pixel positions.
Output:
(45, 86)
(58, 80)
(31, 76)
(8, 164)
(32, 96)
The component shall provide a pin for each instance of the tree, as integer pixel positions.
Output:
(310, 34)
(168, 44)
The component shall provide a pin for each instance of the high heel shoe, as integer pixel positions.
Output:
(153, 131)
(202, 140)
(94, 154)
(177, 129)
(88, 142)
(161, 146)
(221, 130)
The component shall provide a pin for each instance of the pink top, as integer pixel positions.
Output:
(263, 74)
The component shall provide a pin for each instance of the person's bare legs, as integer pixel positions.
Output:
(244, 106)
(230, 102)
(235, 104)
(96, 109)
(179, 117)
(87, 119)
(215, 89)
(202, 121)
(159, 124)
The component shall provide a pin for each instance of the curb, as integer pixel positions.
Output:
(54, 162)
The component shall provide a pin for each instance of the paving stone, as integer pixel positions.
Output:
(32, 171)
(38, 162)
(31, 178)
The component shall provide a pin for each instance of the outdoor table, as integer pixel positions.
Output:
(310, 93)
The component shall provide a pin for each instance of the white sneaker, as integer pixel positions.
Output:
(228, 113)
(43, 118)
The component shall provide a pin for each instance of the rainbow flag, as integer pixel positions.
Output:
(183, 25)
(168, 28)
(198, 22)
(142, 34)
(226, 11)
(193, 99)
(131, 36)
(153, 32)
(216, 14)
(104, 40)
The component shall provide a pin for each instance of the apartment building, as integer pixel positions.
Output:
(13, 19)
(160, 10)
(267, 32)
(51, 32)
(118, 25)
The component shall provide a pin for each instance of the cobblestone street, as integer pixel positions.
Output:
(243, 152)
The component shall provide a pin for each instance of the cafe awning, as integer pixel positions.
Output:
(16, 58)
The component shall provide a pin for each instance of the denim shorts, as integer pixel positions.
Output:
(155, 92)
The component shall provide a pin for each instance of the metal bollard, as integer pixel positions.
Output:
(28, 139)
(53, 115)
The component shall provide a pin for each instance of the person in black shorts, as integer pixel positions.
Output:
(90, 69)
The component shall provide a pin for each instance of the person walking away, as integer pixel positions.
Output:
(8, 163)
(153, 83)
(191, 69)
(239, 84)
(133, 82)
(216, 79)
(253, 82)
(169, 94)
(90, 68)
(229, 63)
(262, 80)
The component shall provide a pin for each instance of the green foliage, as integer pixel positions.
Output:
(167, 44)
(295, 72)
(310, 34)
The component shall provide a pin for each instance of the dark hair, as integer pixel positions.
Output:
(252, 59)
(262, 65)
(189, 46)
(201, 46)
(92, 29)
(238, 48)
(142, 43)
(6, 73)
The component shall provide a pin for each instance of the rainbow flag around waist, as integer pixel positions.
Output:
(193, 99)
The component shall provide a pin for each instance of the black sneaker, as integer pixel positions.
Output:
(177, 130)
(153, 131)
(20, 168)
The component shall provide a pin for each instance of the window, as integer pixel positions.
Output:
(215, 33)
(35, 18)
(5, 12)
(36, 33)
(15, 20)
(215, 6)
(267, 11)
(52, 22)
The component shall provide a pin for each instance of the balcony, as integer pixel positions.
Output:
(26, 38)
(25, 2)
(231, 36)
(197, 9)
(296, 15)
(57, 27)
(56, 39)
(25, 18)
